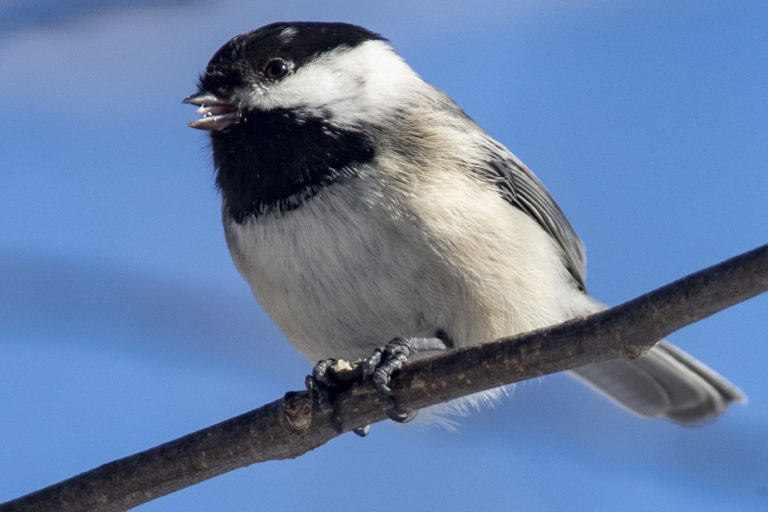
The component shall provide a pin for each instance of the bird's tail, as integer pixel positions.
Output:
(664, 383)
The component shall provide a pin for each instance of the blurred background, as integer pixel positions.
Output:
(123, 323)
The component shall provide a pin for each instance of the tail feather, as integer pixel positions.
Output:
(664, 383)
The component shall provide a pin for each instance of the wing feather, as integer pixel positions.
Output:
(523, 190)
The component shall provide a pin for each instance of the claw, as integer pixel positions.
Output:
(388, 359)
(321, 374)
(370, 364)
(400, 417)
(319, 382)
(362, 431)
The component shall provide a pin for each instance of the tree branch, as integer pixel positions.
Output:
(289, 427)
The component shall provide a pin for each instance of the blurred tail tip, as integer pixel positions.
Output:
(664, 383)
(708, 411)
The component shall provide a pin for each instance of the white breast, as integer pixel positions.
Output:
(339, 276)
(349, 270)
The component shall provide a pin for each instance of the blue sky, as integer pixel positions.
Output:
(123, 323)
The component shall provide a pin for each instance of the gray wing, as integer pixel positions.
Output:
(521, 188)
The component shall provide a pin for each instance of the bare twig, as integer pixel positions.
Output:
(288, 427)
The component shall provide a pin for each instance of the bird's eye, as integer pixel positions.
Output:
(276, 68)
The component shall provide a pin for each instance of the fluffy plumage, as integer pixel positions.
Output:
(360, 203)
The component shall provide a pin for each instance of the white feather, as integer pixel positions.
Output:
(350, 85)
(401, 254)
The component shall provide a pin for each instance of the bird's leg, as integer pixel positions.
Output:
(389, 358)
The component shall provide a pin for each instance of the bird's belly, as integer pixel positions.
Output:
(341, 276)
(341, 282)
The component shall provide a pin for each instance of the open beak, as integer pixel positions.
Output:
(215, 114)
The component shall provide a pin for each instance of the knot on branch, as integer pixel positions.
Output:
(297, 411)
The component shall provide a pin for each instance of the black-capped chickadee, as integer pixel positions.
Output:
(362, 204)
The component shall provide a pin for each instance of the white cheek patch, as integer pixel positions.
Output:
(351, 85)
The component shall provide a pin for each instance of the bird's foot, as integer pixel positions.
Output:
(331, 374)
(389, 358)
(325, 377)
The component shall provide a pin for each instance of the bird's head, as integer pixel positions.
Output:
(343, 74)
(293, 107)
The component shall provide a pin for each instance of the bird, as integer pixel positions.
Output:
(362, 204)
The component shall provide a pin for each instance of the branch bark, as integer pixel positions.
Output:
(290, 426)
